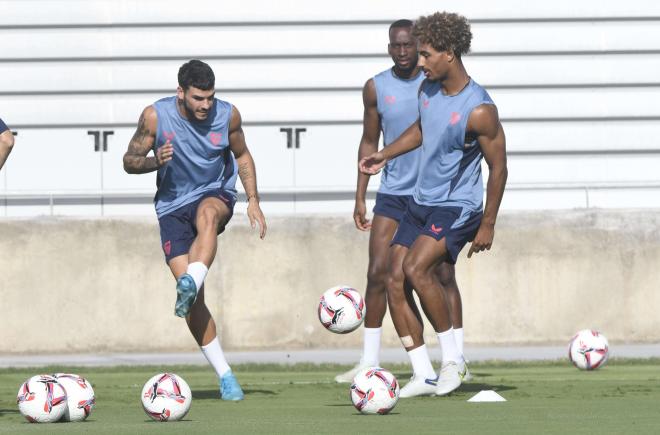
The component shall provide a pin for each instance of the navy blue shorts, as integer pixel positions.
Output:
(177, 228)
(391, 206)
(450, 222)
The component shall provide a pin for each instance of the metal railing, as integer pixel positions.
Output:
(103, 198)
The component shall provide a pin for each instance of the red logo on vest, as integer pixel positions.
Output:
(455, 117)
(169, 135)
(215, 138)
(425, 103)
(390, 99)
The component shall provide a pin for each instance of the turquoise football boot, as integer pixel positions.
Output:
(186, 293)
(229, 388)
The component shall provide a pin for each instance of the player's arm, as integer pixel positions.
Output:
(408, 141)
(135, 158)
(484, 122)
(246, 171)
(368, 146)
(6, 145)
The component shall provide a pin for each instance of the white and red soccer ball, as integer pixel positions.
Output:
(41, 399)
(166, 397)
(341, 309)
(588, 350)
(80, 396)
(374, 391)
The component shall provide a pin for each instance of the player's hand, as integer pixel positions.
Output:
(372, 164)
(360, 216)
(483, 240)
(164, 153)
(256, 216)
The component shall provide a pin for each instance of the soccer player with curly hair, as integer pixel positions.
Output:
(390, 107)
(458, 126)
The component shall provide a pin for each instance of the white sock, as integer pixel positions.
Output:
(371, 349)
(215, 356)
(458, 335)
(421, 362)
(198, 271)
(449, 348)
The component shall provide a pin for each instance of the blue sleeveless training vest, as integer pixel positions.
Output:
(202, 160)
(450, 169)
(396, 100)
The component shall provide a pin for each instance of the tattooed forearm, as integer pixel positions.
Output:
(135, 159)
(247, 173)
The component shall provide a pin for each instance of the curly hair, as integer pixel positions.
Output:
(444, 31)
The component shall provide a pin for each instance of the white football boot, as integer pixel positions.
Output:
(450, 379)
(347, 378)
(419, 386)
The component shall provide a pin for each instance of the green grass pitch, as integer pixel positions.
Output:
(548, 397)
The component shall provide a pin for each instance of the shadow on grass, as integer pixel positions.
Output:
(215, 394)
(8, 411)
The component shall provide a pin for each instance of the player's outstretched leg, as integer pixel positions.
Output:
(203, 329)
(202, 326)
(381, 233)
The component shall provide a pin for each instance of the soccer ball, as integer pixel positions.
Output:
(80, 396)
(166, 397)
(41, 399)
(374, 391)
(341, 309)
(588, 350)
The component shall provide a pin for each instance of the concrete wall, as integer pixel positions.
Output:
(102, 285)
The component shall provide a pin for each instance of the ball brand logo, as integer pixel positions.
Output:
(425, 103)
(167, 247)
(390, 99)
(455, 117)
(215, 138)
(435, 229)
(169, 135)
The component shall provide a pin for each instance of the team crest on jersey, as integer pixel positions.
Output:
(454, 118)
(169, 136)
(390, 99)
(425, 103)
(215, 138)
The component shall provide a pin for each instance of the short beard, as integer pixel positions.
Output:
(190, 114)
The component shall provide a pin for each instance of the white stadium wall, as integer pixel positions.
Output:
(576, 84)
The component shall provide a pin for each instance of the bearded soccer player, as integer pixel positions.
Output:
(458, 126)
(390, 106)
(6, 142)
(199, 150)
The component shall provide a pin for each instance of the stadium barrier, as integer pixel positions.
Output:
(101, 285)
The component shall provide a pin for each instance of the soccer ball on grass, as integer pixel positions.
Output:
(374, 391)
(166, 397)
(80, 396)
(41, 399)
